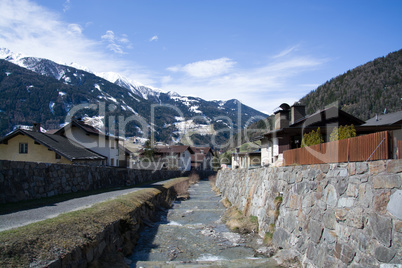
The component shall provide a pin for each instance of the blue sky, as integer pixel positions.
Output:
(260, 52)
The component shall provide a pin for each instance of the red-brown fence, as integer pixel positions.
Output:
(374, 146)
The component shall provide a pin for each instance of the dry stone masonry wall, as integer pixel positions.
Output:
(330, 215)
(28, 180)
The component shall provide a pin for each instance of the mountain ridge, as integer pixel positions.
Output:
(72, 87)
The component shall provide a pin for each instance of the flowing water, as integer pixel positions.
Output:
(191, 234)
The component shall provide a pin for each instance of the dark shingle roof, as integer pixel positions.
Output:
(385, 119)
(85, 127)
(58, 144)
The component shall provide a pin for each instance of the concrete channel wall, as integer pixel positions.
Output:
(328, 215)
(29, 180)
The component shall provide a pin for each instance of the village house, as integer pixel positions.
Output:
(291, 123)
(125, 156)
(202, 158)
(246, 159)
(93, 139)
(174, 157)
(35, 146)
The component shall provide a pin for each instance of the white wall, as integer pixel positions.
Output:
(98, 144)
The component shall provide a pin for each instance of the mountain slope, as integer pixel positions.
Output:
(365, 91)
(48, 91)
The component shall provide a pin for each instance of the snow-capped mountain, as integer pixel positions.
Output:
(168, 113)
(135, 87)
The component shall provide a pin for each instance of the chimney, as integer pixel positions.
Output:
(36, 127)
(297, 112)
(281, 119)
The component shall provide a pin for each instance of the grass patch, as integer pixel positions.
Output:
(51, 238)
(237, 222)
(267, 240)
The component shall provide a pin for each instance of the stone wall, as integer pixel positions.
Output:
(328, 215)
(28, 180)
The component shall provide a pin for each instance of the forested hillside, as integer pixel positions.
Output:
(364, 91)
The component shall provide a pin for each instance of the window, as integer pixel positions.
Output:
(112, 162)
(23, 148)
(58, 156)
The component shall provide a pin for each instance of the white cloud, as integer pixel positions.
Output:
(33, 30)
(66, 5)
(286, 52)
(263, 88)
(115, 43)
(206, 68)
(75, 28)
(153, 38)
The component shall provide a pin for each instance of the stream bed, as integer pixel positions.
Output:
(191, 234)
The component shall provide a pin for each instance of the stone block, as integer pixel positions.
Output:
(387, 181)
(352, 168)
(324, 168)
(308, 200)
(398, 226)
(377, 167)
(341, 214)
(355, 218)
(395, 204)
(394, 166)
(342, 185)
(330, 195)
(361, 167)
(346, 202)
(280, 238)
(381, 202)
(315, 231)
(295, 201)
(364, 241)
(329, 236)
(329, 220)
(365, 195)
(382, 228)
(311, 251)
(384, 254)
(343, 172)
(352, 190)
(368, 261)
(344, 252)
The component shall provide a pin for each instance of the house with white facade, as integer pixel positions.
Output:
(174, 157)
(93, 139)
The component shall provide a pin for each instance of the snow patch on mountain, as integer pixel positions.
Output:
(95, 121)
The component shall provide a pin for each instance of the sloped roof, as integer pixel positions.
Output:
(200, 153)
(59, 144)
(320, 118)
(385, 119)
(172, 149)
(87, 128)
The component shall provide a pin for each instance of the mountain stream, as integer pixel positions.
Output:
(191, 234)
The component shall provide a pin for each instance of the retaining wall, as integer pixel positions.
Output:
(28, 180)
(328, 215)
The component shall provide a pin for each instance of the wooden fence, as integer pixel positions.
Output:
(370, 147)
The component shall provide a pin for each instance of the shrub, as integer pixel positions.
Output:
(312, 138)
(343, 132)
